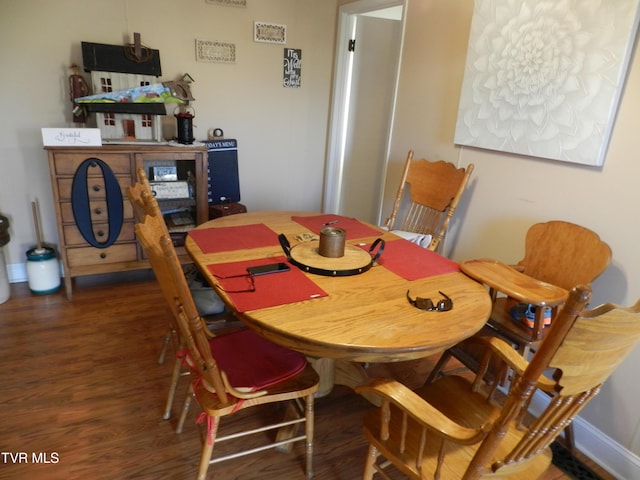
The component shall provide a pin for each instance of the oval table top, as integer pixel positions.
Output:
(364, 318)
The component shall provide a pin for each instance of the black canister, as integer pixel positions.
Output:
(185, 128)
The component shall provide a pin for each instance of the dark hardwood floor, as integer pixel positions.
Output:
(82, 395)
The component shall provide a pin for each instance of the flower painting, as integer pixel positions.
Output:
(543, 78)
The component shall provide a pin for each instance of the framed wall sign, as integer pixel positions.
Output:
(216, 52)
(229, 3)
(292, 67)
(269, 32)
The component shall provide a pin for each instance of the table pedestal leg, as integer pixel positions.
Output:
(340, 372)
(326, 370)
(352, 374)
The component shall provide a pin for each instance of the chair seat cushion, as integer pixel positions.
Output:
(252, 362)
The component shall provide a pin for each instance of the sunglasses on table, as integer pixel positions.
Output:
(251, 286)
(442, 305)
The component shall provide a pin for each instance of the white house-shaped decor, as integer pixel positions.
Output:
(114, 68)
(125, 126)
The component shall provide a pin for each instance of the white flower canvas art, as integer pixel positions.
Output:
(544, 78)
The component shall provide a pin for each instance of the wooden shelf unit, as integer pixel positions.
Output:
(95, 219)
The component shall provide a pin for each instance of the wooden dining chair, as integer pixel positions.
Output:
(454, 428)
(434, 190)
(231, 371)
(145, 204)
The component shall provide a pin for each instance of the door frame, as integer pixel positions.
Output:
(337, 138)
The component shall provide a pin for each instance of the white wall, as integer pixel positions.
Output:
(508, 192)
(281, 131)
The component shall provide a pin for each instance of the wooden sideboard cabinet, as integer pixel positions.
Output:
(94, 216)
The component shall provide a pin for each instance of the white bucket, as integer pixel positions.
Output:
(43, 271)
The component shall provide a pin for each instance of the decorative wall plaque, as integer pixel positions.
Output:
(217, 52)
(269, 32)
(228, 3)
(544, 78)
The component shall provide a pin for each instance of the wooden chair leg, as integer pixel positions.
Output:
(165, 347)
(207, 448)
(185, 409)
(293, 410)
(309, 431)
(444, 358)
(569, 438)
(175, 377)
(369, 464)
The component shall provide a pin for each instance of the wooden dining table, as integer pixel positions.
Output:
(340, 322)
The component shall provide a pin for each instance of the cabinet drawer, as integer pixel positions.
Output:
(68, 163)
(99, 212)
(85, 256)
(72, 235)
(95, 186)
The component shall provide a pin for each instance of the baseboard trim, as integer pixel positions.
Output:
(17, 272)
(602, 449)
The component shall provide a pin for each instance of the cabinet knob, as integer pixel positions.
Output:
(103, 255)
(98, 211)
(96, 188)
(100, 233)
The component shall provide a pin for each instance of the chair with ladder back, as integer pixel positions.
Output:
(144, 203)
(231, 371)
(434, 190)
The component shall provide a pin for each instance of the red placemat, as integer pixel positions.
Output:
(413, 262)
(270, 290)
(354, 228)
(227, 239)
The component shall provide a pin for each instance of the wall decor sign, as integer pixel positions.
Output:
(292, 67)
(217, 52)
(228, 3)
(269, 32)
(544, 79)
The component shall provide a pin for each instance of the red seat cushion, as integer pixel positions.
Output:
(253, 362)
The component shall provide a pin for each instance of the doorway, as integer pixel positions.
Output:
(368, 52)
